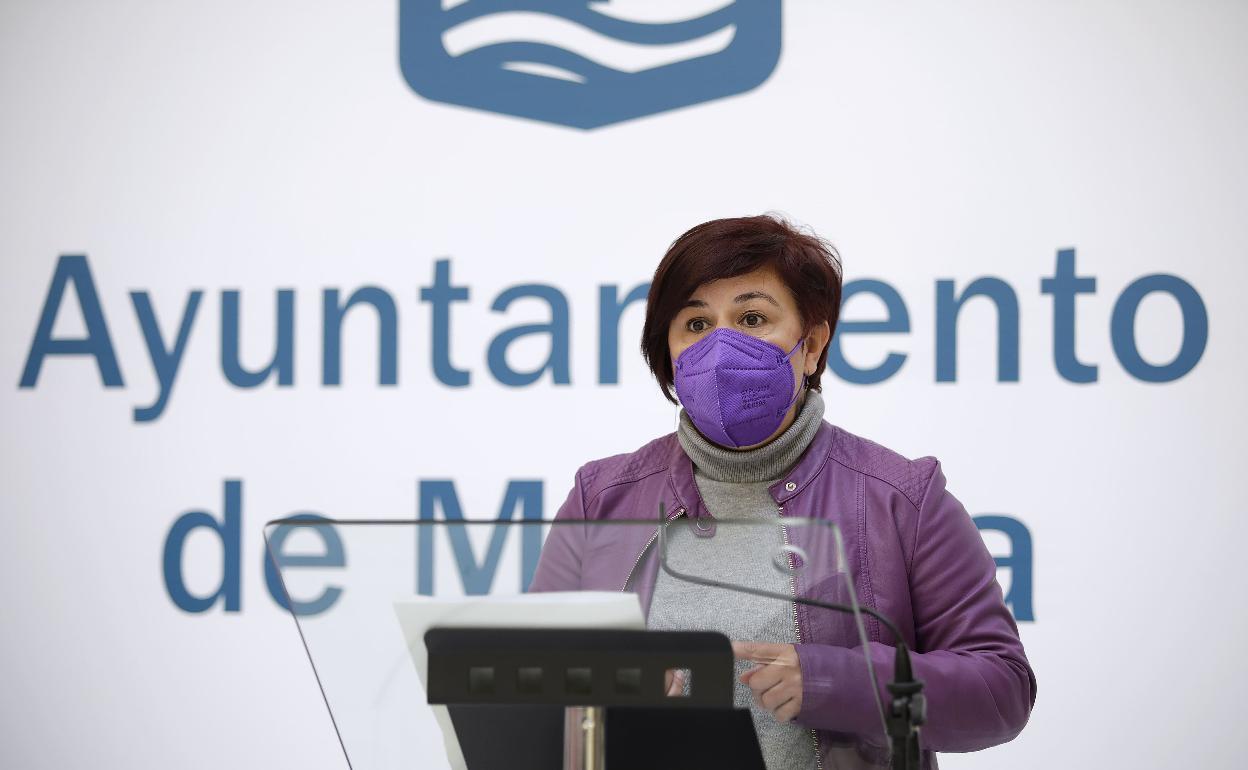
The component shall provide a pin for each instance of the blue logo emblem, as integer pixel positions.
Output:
(586, 63)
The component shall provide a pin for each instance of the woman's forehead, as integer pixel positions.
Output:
(763, 284)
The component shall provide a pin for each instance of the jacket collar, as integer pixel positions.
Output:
(807, 469)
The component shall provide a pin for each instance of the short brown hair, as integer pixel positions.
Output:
(725, 248)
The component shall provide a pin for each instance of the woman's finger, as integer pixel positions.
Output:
(674, 682)
(789, 711)
(745, 677)
(759, 652)
(776, 697)
(765, 678)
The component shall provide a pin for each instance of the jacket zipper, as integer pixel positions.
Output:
(671, 517)
(797, 630)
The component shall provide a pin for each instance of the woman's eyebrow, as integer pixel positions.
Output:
(695, 303)
(749, 295)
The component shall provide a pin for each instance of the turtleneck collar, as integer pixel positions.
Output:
(765, 463)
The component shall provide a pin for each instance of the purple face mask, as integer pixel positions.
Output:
(736, 388)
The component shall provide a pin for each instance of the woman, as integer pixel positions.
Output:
(738, 321)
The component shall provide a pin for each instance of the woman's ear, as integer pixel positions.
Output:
(816, 340)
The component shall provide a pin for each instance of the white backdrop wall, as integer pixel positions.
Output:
(259, 147)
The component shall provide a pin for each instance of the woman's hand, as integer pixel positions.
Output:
(674, 682)
(776, 681)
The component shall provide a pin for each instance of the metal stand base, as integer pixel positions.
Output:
(584, 738)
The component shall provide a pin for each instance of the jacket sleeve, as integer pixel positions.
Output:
(978, 683)
(559, 568)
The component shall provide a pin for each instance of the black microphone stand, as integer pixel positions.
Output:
(907, 712)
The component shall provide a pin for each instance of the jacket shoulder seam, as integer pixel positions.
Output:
(859, 469)
(598, 476)
(626, 480)
(918, 520)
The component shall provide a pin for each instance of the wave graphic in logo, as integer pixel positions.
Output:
(586, 63)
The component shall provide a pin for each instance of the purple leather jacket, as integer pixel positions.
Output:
(914, 553)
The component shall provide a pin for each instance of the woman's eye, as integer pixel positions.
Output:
(752, 319)
(697, 325)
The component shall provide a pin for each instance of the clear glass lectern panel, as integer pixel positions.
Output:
(362, 594)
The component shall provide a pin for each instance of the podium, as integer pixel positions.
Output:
(513, 681)
(430, 654)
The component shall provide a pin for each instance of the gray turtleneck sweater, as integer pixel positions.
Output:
(733, 485)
